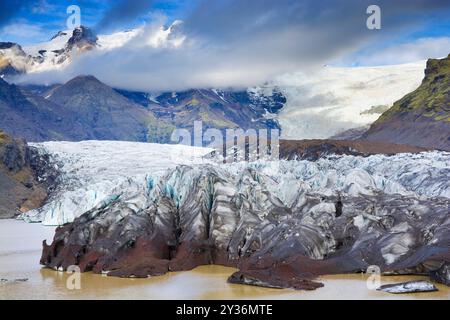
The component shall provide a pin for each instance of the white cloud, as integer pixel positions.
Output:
(240, 43)
(154, 60)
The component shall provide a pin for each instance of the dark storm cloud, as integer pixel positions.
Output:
(309, 29)
(239, 43)
(124, 11)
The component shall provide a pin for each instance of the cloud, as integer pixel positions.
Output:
(124, 11)
(238, 43)
(420, 49)
(23, 30)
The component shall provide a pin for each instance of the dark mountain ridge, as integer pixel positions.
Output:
(219, 109)
(86, 109)
(82, 109)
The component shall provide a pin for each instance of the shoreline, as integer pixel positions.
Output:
(204, 282)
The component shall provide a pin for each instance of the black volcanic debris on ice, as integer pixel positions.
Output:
(206, 216)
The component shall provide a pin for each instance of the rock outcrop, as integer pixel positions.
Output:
(20, 187)
(278, 233)
(421, 118)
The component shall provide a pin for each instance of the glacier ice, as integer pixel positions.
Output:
(332, 100)
(235, 215)
(94, 173)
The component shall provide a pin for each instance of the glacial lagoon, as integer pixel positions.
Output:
(24, 278)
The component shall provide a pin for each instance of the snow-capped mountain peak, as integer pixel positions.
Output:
(59, 51)
(170, 36)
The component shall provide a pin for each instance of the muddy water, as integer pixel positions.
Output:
(20, 245)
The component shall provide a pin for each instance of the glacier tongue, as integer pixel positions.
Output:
(93, 173)
(233, 215)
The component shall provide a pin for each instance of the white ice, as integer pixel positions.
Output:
(331, 100)
(93, 171)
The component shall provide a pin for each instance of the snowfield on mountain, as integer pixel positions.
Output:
(336, 99)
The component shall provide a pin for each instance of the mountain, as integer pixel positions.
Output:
(332, 100)
(220, 109)
(45, 56)
(324, 104)
(61, 49)
(30, 116)
(422, 117)
(105, 114)
(13, 60)
(83, 108)
(86, 109)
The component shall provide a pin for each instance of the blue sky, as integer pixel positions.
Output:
(27, 22)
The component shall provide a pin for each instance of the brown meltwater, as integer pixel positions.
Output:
(20, 249)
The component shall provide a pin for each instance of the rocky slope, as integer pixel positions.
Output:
(279, 223)
(34, 118)
(321, 105)
(421, 118)
(56, 53)
(106, 115)
(82, 109)
(219, 109)
(21, 188)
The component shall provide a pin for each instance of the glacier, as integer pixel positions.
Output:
(333, 99)
(282, 223)
(94, 173)
(90, 172)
